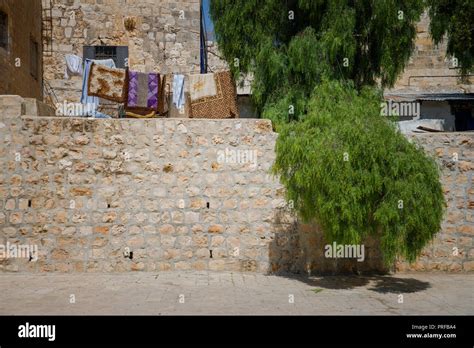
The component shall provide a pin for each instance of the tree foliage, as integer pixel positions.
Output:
(454, 18)
(292, 44)
(317, 65)
(350, 169)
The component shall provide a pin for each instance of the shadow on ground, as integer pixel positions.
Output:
(381, 284)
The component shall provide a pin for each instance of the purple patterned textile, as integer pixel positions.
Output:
(132, 88)
(153, 81)
(143, 90)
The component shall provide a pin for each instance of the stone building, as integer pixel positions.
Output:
(149, 35)
(85, 191)
(20, 48)
(165, 36)
(432, 80)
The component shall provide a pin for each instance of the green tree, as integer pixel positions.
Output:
(454, 18)
(290, 45)
(317, 66)
(350, 169)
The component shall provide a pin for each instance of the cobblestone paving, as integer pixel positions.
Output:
(184, 293)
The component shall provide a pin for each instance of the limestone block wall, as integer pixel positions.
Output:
(85, 189)
(452, 249)
(429, 69)
(176, 192)
(215, 61)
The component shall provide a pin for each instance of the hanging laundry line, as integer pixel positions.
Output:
(146, 95)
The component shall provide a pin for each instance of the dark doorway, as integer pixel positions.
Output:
(463, 119)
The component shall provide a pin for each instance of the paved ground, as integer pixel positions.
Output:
(235, 293)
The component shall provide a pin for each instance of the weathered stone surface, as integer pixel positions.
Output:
(216, 229)
(427, 62)
(455, 241)
(90, 208)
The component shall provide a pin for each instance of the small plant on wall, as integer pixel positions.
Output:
(130, 23)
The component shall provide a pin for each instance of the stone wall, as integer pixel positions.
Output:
(215, 60)
(24, 26)
(165, 38)
(83, 190)
(453, 248)
(429, 69)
